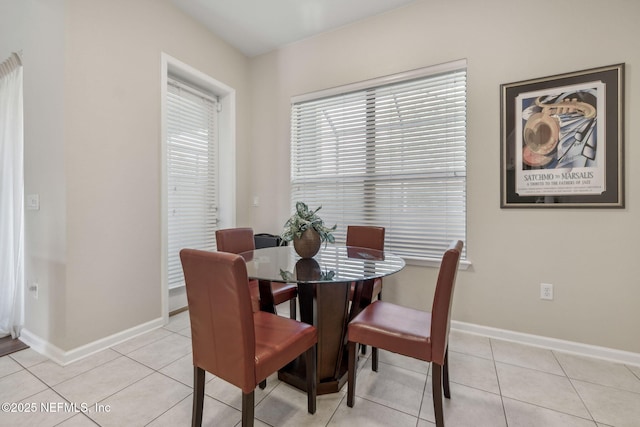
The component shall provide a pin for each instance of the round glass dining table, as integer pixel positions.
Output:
(325, 297)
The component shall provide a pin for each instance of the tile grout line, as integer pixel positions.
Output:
(574, 387)
(495, 367)
(424, 391)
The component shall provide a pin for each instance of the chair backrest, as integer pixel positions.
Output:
(235, 240)
(441, 309)
(222, 328)
(365, 237)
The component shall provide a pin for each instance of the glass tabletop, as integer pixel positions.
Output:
(332, 264)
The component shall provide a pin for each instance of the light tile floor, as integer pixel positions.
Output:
(147, 381)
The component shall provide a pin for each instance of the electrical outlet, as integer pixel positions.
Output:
(34, 290)
(546, 291)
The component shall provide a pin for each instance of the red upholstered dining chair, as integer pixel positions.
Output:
(410, 332)
(232, 341)
(238, 240)
(368, 237)
(364, 236)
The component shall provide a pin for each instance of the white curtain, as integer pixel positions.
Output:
(11, 197)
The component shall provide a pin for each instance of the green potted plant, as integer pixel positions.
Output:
(307, 231)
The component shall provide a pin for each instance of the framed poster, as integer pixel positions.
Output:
(562, 140)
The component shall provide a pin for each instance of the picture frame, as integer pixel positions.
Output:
(562, 140)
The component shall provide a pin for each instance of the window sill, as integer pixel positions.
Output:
(434, 262)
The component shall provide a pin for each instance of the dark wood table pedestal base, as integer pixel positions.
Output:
(327, 307)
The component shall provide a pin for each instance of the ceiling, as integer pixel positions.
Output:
(259, 26)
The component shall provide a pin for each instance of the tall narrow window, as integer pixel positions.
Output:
(390, 153)
(192, 174)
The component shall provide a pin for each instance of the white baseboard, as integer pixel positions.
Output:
(65, 357)
(62, 357)
(610, 354)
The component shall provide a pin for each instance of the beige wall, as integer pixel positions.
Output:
(92, 152)
(588, 255)
(112, 150)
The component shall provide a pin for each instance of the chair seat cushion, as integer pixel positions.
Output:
(279, 340)
(283, 292)
(395, 328)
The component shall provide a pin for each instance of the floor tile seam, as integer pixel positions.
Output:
(47, 387)
(255, 417)
(475, 388)
(88, 414)
(529, 368)
(79, 373)
(225, 403)
(89, 370)
(389, 407)
(632, 371)
(177, 380)
(61, 397)
(149, 343)
(424, 392)
(170, 408)
(495, 369)
(608, 386)
(117, 391)
(335, 411)
(67, 400)
(24, 366)
(555, 356)
(556, 410)
(172, 331)
(239, 390)
(183, 335)
(537, 405)
(21, 368)
(76, 415)
(471, 354)
(255, 404)
(470, 386)
(158, 368)
(190, 384)
(426, 374)
(595, 359)
(426, 379)
(597, 383)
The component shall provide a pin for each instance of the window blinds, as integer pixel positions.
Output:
(191, 174)
(392, 155)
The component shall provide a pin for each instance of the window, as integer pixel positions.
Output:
(389, 152)
(192, 170)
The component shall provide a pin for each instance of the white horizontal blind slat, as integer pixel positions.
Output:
(391, 156)
(191, 175)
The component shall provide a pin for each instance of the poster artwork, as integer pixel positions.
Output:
(560, 142)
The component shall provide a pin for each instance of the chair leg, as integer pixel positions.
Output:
(363, 349)
(312, 382)
(374, 359)
(248, 401)
(351, 375)
(262, 384)
(198, 396)
(445, 375)
(436, 379)
(292, 308)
